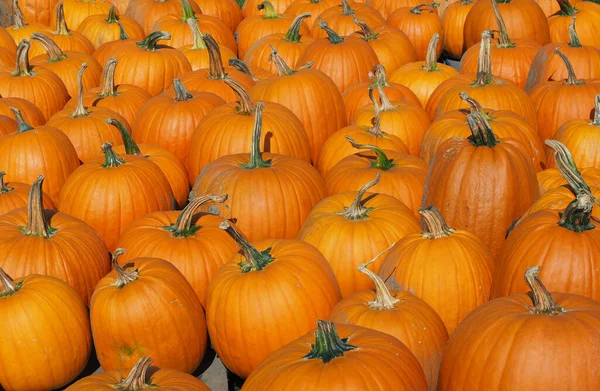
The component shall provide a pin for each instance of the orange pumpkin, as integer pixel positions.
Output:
(77, 10)
(228, 11)
(197, 53)
(37, 11)
(420, 24)
(272, 281)
(552, 178)
(148, 12)
(313, 7)
(387, 7)
(125, 296)
(7, 58)
(106, 50)
(29, 111)
(6, 41)
(7, 125)
(14, 195)
(453, 24)
(21, 30)
(588, 20)
(250, 7)
(107, 28)
(343, 19)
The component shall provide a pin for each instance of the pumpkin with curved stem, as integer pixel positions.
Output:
(551, 178)
(342, 18)
(47, 152)
(77, 10)
(106, 50)
(107, 28)
(20, 29)
(400, 314)
(314, 7)
(526, 339)
(272, 281)
(29, 111)
(126, 295)
(250, 7)
(86, 128)
(256, 182)
(469, 174)
(350, 235)
(37, 11)
(420, 24)
(329, 355)
(588, 17)
(38, 85)
(197, 53)
(256, 74)
(115, 184)
(453, 24)
(450, 269)
(26, 303)
(14, 195)
(557, 102)
(402, 176)
(423, 77)
(148, 12)
(227, 11)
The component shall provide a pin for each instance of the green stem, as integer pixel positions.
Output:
(431, 64)
(270, 12)
(357, 211)
(152, 39)
(503, 38)
(136, 380)
(216, 70)
(333, 37)
(484, 65)
(328, 344)
(572, 78)
(55, 53)
(577, 215)
(346, 9)
(366, 31)
(256, 160)
(541, 298)
(23, 126)
(37, 225)
(131, 148)
(18, 17)
(9, 287)
(247, 106)
(197, 34)
(80, 110)
(61, 23)
(124, 276)
(566, 8)
(183, 226)
(481, 132)
(108, 78)
(111, 159)
(254, 260)
(382, 162)
(293, 34)
(181, 93)
(242, 67)
(3, 188)
(112, 16)
(434, 223)
(122, 33)
(282, 68)
(383, 299)
(567, 168)
(188, 11)
(573, 37)
(23, 68)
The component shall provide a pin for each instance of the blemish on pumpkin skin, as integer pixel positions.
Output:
(125, 352)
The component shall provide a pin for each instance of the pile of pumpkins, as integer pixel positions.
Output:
(305, 187)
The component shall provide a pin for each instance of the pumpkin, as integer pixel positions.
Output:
(337, 357)
(126, 295)
(469, 174)
(510, 61)
(400, 314)
(527, 330)
(197, 53)
(38, 85)
(29, 111)
(402, 176)
(250, 7)
(450, 269)
(66, 64)
(106, 50)
(168, 120)
(137, 379)
(20, 29)
(105, 28)
(46, 150)
(423, 77)
(319, 106)
(6, 41)
(273, 282)
(420, 24)
(77, 10)
(350, 235)
(256, 182)
(228, 11)
(7, 58)
(261, 74)
(313, 7)
(552, 178)
(14, 195)
(26, 303)
(86, 128)
(346, 60)
(7, 125)
(39, 12)
(557, 102)
(343, 20)
(453, 24)
(387, 7)
(524, 19)
(588, 20)
(108, 182)
(148, 12)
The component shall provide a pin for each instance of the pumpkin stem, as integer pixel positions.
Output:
(333, 37)
(282, 68)
(596, 120)
(386, 104)
(37, 225)
(22, 124)
(242, 67)
(112, 16)
(3, 188)
(566, 8)
(434, 223)
(181, 93)
(366, 31)
(61, 23)
(151, 41)
(111, 159)
(475, 105)
(270, 11)
(216, 70)
(124, 276)
(503, 38)
(567, 167)
(328, 344)
(54, 52)
(23, 68)
(108, 78)
(417, 10)
(481, 132)
(188, 11)
(346, 9)
(256, 160)
(357, 211)
(376, 107)
(199, 43)
(136, 380)
(18, 17)
(577, 215)
(375, 130)
(383, 299)
(255, 260)
(122, 33)
(9, 287)
(484, 65)
(379, 76)
(80, 110)
(431, 64)
(183, 226)
(572, 78)
(382, 162)
(131, 148)
(293, 34)
(247, 106)
(541, 298)
(573, 37)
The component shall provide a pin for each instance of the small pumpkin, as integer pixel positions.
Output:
(29, 111)
(14, 195)
(453, 24)
(77, 10)
(197, 53)
(21, 30)
(107, 28)
(342, 18)
(420, 24)
(106, 50)
(313, 7)
(588, 16)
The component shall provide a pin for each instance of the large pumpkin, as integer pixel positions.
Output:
(453, 23)
(420, 23)
(228, 11)
(29, 111)
(107, 28)
(588, 16)
(14, 195)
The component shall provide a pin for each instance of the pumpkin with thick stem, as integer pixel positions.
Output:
(77, 10)
(511, 61)
(115, 184)
(588, 22)
(38, 85)
(100, 29)
(26, 304)
(273, 282)
(47, 151)
(341, 18)
(363, 225)
(197, 53)
(400, 314)
(133, 296)
(257, 181)
(256, 74)
(169, 120)
(453, 24)
(450, 269)
(468, 175)
(423, 77)
(29, 111)
(227, 11)
(346, 60)
(251, 7)
(402, 176)
(551, 178)
(314, 7)
(420, 23)
(336, 357)
(557, 102)
(148, 12)
(35, 11)
(14, 195)
(528, 330)
(139, 378)
(20, 29)
(68, 249)
(86, 127)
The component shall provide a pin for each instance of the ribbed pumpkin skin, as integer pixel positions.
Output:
(106, 50)
(344, 24)
(347, 243)
(32, 115)
(200, 80)
(315, 8)
(588, 16)
(6, 40)
(392, 46)
(259, 54)
(582, 139)
(452, 274)
(552, 178)
(7, 57)
(37, 11)
(296, 289)
(357, 97)
(453, 24)
(421, 82)
(7, 125)
(391, 366)
(139, 183)
(256, 27)
(43, 150)
(74, 42)
(99, 31)
(24, 345)
(558, 198)
(199, 58)
(412, 321)
(418, 27)
(147, 12)
(181, 34)
(77, 10)
(225, 10)
(386, 7)
(15, 195)
(149, 322)
(523, 355)
(257, 196)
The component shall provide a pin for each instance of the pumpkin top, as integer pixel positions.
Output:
(23, 67)
(9, 287)
(136, 380)
(256, 160)
(215, 70)
(270, 11)
(573, 37)
(346, 9)
(571, 78)
(55, 53)
(282, 67)
(3, 188)
(503, 38)
(131, 147)
(382, 162)
(18, 17)
(242, 67)
(255, 260)
(431, 64)
(247, 106)
(181, 93)
(80, 110)
(112, 16)
(357, 211)
(293, 34)
(124, 276)
(435, 224)
(108, 78)
(23, 126)
(187, 11)
(328, 344)
(366, 31)
(541, 298)
(481, 132)
(111, 159)
(183, 225)
(37, 224)
(475, 106)
(198, 43)
(484, 64)
(333, 37)
(566, 8)
(383, 299)
(151, 41)
(61, 23)
(419, 8)
(375, 130)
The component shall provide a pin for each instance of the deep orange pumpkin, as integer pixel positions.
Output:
(453, 24)
(228, 11)
(147, 12)
(14, 195)
(314, 7)
(29, 111)
(106, 50)
(419, 23)
(100, 29)
(551, 178)
(197, 53)
(588, 21)
(343, 18)
(77, 10)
